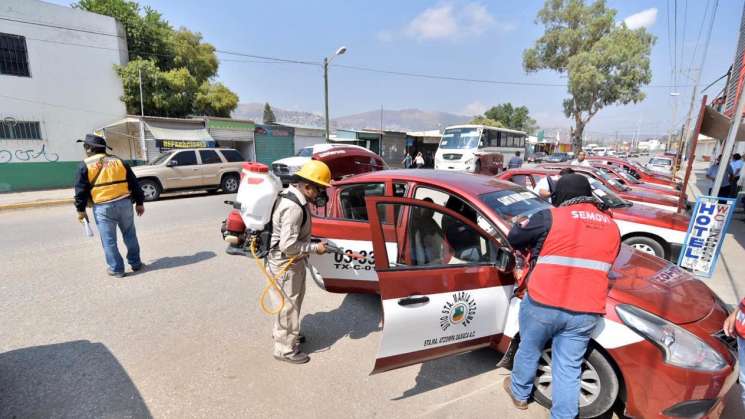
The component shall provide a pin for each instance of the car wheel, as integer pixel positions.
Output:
(646, 245)
(230, 183)
(150, 189)
(599, 384)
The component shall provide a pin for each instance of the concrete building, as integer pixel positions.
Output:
(305, 136)
(58, 83)
(233, 133)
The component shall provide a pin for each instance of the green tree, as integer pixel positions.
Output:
(482, 120)
(214, 99)
(177, 66)
(606, 63)
(269, 114)
(517, 118)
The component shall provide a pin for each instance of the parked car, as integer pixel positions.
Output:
(557, 158)
(662, 165)
(659, 349)
(286, 168)
(536, 157)
(627, 179)
(191, 169)
(638, 172)
(622, 155)
(648, 229)
(637, 196)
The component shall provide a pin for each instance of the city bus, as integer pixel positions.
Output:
(479, 148)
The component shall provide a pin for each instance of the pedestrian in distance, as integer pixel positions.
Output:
(734, 326)
(711, 174)
(515, 162)
(419, 160)
(573, 247)
(408, 161)
(108, 184)
(289, 249)
(581, 160)
(737, 165)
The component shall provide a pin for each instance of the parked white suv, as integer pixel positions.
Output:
(662, 165)
(286, 168)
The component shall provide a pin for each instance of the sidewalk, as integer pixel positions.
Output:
(731, 264)
(19, 200)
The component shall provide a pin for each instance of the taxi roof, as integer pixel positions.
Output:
(465, 183)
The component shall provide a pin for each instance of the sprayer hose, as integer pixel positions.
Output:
(271, 281)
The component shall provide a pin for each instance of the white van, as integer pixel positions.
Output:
(479, 148)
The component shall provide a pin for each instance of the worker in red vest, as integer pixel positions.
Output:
(735, 326)
(572, 248)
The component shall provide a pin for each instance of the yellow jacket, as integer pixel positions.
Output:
(108, 178)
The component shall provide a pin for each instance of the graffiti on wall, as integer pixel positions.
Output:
(32, 154)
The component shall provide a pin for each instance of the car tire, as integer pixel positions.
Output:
(600, 384)
(150, 189)
(647, 245)
(230, 183)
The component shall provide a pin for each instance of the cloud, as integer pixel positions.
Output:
(474, 108)
(643, 19)
(385, 36)
(447, 22)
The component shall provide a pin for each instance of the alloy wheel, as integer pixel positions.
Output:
(590, 385)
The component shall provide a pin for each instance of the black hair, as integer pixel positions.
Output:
(566, 171)
(517, 153)
(736, 156)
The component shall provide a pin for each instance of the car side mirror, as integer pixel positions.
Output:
(172, 162)
(505, 260)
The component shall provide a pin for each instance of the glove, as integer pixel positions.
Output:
(82, 215)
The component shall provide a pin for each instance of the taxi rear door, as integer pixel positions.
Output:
(440, 296)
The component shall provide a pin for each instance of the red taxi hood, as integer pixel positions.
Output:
(348, 161)
(644, 214)
(653, 197)
(659, 287)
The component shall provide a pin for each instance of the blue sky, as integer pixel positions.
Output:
(469, 39)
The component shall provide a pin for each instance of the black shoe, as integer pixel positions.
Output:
(294, 358)
(300, 338)
(507, 385)
(138, 268)
(115, 274)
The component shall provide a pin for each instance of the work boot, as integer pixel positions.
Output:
(507, 385)
(294, 358)
(115, 274)
(300, 338)
(139, 267)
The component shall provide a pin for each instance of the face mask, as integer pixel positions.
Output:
(321, 199)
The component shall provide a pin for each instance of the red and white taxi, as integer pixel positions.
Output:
(647, 229)
(638, 172)
(648, 198)
(625, 178)
(436, 251)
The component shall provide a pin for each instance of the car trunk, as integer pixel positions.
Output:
(659, 287)
(349, 161)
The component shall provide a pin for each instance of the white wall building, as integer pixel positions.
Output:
(57, 82)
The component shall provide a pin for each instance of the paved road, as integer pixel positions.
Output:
(187, 339)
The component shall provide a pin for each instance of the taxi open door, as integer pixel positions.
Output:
(445, 286)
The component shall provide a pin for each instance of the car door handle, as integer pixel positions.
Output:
(414, 299)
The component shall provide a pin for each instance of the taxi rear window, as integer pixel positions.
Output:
(511, 202)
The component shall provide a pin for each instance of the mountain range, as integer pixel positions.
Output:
(394, 120)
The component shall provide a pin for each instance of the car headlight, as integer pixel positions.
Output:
(681, 347)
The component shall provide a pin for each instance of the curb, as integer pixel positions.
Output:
(36, 204)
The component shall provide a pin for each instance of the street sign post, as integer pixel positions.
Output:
(703, 243)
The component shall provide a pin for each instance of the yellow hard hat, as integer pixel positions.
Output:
(316, 172)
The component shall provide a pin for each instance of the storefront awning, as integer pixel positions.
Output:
(196, 133)
(716, 125)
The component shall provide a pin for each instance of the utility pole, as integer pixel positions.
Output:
(326, 95)
(143, 149)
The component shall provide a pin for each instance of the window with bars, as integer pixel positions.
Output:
(20, 130)
(13, 55)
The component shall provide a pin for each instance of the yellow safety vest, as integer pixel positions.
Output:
(108, 178)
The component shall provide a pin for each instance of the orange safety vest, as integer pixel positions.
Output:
(108, 178)
(571, 271)
(740, 320)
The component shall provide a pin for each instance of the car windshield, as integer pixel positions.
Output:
(161, 159)
(460, 138)
(660, 162)
(607, 196)
(514, 202)
(305, 152)
(611, 180)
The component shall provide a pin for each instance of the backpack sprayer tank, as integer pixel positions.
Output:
(253, 206)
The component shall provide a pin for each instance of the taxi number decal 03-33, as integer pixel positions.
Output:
(346, 262)
(335, 266)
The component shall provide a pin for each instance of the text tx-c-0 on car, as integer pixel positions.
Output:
(436, 252)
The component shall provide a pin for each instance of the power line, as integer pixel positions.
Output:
(675, 43)
(685, 26)
(262, 57)
(31, 22)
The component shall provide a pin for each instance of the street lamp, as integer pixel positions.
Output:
(326, 62)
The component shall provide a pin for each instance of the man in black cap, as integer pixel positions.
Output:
(109, 184)
(573, 247)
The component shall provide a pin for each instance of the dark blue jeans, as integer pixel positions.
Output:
(571, 334)
(108, 217)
